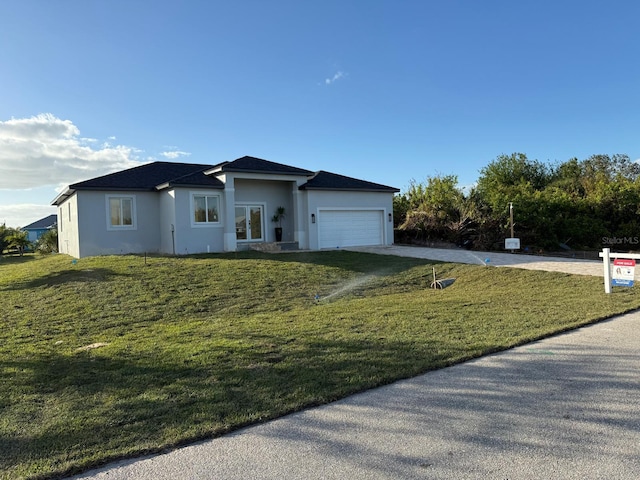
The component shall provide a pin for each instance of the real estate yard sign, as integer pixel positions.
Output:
(623, 272)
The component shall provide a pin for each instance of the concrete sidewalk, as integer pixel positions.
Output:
(566, 407)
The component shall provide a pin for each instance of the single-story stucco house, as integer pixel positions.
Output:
(183, 208)
(36, 229)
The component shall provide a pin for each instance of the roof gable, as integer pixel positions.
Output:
(44, 223)
(258, 165)
(332, 181)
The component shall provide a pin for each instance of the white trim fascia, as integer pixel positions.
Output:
(274, 177)
(67, 192)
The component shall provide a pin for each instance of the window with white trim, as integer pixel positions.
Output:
(206, 209)
(121, 212)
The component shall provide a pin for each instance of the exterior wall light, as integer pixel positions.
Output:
(313, 218)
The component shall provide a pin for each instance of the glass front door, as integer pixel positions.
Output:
(249, 223)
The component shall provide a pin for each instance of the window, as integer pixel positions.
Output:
(121, 212)
(206, 209)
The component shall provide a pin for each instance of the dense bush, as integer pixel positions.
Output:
(48, 242)
(575, 204)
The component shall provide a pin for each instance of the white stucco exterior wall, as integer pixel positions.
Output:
(196, 238)
(167, 221)
(318, 200)
(95, 236)
(68, 237)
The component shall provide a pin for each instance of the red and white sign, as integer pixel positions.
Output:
(623, 272)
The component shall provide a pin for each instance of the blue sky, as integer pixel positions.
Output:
(387, 91)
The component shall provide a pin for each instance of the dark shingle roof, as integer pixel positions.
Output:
(258, 165)
(144, 177)
(46, 222)
(197, 179)
(161, 175)
(332, 181)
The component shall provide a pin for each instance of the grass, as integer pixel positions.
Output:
(201, 345)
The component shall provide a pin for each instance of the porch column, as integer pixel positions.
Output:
(230, 244)
(299, 218)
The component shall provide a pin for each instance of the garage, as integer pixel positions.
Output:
(350, 228)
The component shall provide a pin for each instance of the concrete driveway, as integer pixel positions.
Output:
(566, 407)
(496, 259)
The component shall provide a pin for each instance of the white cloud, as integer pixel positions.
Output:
(45, 150)
(335, 78)
(23, 214)
(173, 154)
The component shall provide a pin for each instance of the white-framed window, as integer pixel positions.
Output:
(121, 212)
(205, 209)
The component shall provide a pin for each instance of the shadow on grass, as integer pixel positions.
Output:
(86, 409)
(66, 276)
(506, 404)
(357, 262)
(10, 258)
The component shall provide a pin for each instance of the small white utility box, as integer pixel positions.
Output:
(512, 244)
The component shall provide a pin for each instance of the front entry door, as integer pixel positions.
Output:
(249, 223)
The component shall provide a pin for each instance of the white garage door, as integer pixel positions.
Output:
(350, 228)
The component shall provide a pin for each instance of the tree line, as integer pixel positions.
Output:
(577, 204)
(14, 239)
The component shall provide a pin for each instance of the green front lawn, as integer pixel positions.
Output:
(198, 346)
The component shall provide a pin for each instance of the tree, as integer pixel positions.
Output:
(19, 240)
(437, 210)
(48, 242)
(4, 234)
(510, 176)
(400, 209)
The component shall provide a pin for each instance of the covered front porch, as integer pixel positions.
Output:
(252, 203)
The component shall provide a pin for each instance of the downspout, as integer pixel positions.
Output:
(173, 238)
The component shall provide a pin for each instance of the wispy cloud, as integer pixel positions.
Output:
(337, 76)
(47, 151)
(173, 154)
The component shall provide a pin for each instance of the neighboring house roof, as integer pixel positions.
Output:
(257, 165)
(332, 181)
(43, 224)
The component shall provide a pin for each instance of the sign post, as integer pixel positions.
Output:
(606, 261)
